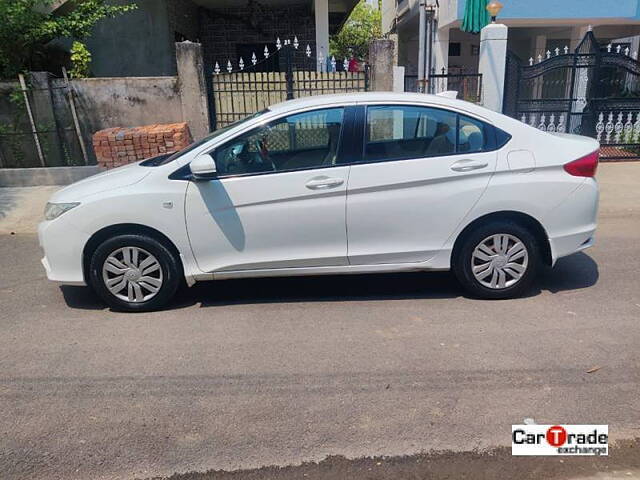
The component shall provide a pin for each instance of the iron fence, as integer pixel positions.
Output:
(467, 84)
(287, 71)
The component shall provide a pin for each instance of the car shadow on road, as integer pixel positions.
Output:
(571, 273)
(574, 272)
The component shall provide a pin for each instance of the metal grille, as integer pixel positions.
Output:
(242, 88)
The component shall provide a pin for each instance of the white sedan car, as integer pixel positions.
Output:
(371, 182)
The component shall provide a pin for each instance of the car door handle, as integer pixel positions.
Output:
(468, 165)
(320, 183)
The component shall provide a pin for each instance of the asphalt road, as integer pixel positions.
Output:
(241, 374)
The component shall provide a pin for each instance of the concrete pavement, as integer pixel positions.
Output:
(241, 374)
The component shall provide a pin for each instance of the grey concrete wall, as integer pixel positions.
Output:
(138, 43)
(193, 88)
(30, 177)
(15, 150)
(120, 102)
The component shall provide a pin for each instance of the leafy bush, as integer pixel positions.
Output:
(80, 60)
(27, 26)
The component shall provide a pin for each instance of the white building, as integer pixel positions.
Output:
(535, 27)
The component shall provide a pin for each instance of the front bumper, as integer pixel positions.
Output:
(63, 245)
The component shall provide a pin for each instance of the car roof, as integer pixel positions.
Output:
(377, 97)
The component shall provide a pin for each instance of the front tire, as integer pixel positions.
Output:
(497, 260)
(134, 273)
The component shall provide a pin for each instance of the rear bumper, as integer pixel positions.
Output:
(572, 224)
(568, 244)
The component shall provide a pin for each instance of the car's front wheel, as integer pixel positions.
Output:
(134, 273)
(497, 260)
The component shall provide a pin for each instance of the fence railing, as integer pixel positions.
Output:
(244, 86)
(467, 84)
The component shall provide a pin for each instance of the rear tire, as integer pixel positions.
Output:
(134, 273)
(497, 260)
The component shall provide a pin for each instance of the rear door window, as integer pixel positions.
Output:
(398, 132)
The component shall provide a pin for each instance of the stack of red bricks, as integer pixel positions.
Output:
(118, 146)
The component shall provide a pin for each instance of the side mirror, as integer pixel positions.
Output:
(203, 167)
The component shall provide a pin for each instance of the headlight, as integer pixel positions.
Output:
(54, 210)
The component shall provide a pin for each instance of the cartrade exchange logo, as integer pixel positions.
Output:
(559, 439)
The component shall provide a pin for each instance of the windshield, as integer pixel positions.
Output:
(211, 136)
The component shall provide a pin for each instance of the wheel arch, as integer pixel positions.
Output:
(123, 229)
(523, 219)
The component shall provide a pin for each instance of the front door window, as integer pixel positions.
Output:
(296, 142)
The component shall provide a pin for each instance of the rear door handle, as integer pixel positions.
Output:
(468, 165)
(321, 183)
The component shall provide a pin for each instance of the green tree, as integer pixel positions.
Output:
(27, 26)
(363, 25)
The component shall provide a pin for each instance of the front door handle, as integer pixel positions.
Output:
(468, 165)
(321, 183)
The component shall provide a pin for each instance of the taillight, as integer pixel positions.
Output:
(585, 166)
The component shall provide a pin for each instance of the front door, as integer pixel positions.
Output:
(423, 170)
(278, 201)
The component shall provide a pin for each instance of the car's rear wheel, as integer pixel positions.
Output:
(497, 260)
(134, 273)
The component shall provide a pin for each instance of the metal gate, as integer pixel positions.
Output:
(593, 91)
(284, 71)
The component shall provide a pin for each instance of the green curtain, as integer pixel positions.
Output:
(476, 16)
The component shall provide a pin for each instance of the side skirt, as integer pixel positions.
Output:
(304, 271)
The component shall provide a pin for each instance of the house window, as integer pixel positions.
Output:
(454, 49)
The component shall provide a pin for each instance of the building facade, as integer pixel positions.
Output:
(535, 28)
(142, 42)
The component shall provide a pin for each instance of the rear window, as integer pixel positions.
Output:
(397, 132)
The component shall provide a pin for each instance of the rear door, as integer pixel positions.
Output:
(422, 170)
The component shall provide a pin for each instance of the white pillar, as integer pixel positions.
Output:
(441, 49)
(398, 79)
(540, 46)
(321, 8)
(492, 64)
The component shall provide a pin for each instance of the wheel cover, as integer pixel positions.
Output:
(132, 274)
(499, 261)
